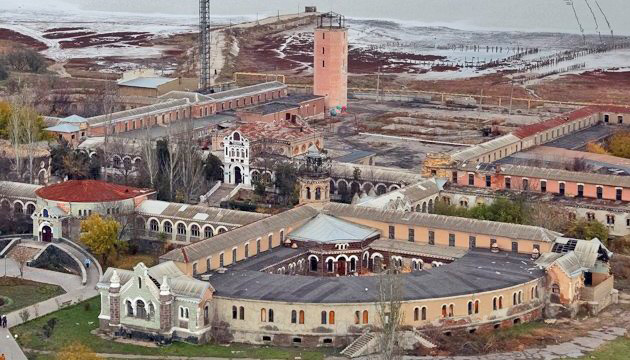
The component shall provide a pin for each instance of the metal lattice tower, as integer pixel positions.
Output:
(204, 44)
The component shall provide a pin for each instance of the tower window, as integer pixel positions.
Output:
(323, 63)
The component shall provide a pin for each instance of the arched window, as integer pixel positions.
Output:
(168, 227)
(353, 264)
(241, 313)
(194, 230)
(520, 297)
(330, 265)
(141, 312)
(129, 308)
(324, 318)
(470, 308)
(444, 311)
(154, 225)
(313, 264)
(416, 314)
(514, 299)
(357, 317)
(293, 317)
(424, 313)
(318, 194)
(151, 311)
(263, 315)
(494, 304)
(365, 317)
(181, 229)
(30, 209)
(246, 251)
(207, 232)
(270, 315)
(476, 306)
(234, 313)
(331, 318)
(500, 302)
(451, 310)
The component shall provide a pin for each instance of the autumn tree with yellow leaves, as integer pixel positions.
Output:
(102, 236)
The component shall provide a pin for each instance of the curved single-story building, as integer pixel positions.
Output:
(78, 199)
(309, 276)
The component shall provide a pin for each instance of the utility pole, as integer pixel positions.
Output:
(511, 98)
(481, 101)
(378, 83)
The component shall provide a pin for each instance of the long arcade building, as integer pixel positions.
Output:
(303, 277)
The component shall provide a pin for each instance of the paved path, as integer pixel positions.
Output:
(75, 292)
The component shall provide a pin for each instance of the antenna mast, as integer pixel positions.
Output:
(204, 44)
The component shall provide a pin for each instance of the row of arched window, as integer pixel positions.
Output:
(239, 313)
(195, 231)
(18, 207)
(266, 316)
(420, 313)
(140, 310)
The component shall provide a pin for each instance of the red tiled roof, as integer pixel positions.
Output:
(89, 191)
(529, 130)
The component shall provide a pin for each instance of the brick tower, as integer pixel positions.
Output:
(331, 60)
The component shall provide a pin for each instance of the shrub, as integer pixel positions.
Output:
(49, 327)
(87, 306)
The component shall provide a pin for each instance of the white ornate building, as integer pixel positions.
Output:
(236, 160)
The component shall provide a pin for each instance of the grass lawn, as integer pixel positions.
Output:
(618, 349)
(75, 323)
(23, 293)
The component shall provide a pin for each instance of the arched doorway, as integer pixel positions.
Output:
(341, 267)
(47, 234)
(238, 177)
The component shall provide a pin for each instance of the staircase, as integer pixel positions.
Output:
(360, 346)
(219, 194)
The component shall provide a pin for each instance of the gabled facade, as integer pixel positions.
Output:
(160, 303)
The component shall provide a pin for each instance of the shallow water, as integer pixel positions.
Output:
(523, 15)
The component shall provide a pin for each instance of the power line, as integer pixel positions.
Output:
(595, 19)
(612, 35)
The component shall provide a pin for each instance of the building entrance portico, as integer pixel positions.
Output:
(46, 234)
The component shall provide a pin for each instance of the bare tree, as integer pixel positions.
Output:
(110, 99)
(149, 156)
(22, 256)
(15, 135)
(31, 135)
(548, 216)
(389, 309)
(171, 146)
(189, 162)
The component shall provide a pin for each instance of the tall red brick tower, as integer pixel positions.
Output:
(331, 60)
